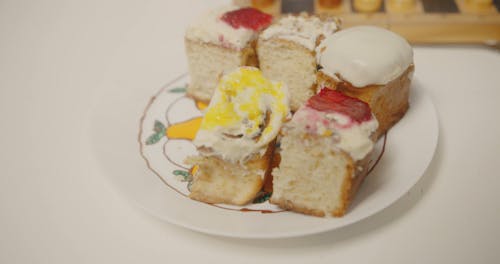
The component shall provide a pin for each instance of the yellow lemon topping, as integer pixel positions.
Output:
(246, 110)
(245, 97)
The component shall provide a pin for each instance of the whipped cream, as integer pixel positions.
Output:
(245, 114)
(209, 28)
(364, 55)
(346, 134)
(302, 30)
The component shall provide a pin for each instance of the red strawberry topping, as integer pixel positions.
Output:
(247, 17)
(328, 100)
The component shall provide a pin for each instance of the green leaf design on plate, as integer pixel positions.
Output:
(159, 130)
(186, 176)
(262, 197)
(154, 138)
(178, 90)
(159, 127)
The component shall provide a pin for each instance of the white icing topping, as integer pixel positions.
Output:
(209, 28)
(346, 134)
(365, 55)
(301, 30)
(356, 139)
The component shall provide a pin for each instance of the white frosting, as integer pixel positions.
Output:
(209, 28)
(364, 55)
(301, 30)
(356, 139)
(347, 135)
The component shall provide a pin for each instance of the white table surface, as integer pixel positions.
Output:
(58, 206)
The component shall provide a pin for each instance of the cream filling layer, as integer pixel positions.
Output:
(300, 29)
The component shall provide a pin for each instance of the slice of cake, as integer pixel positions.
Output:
(221, 40)
(372, 64)
(236, 137)
(286, 52)
(325, 151)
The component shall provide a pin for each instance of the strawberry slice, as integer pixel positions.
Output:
(249, 18)
(328, 100)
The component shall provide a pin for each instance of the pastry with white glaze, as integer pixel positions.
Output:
(221, 40)
(237, 136)
(372, 64)
(286, 52)
(325, 153)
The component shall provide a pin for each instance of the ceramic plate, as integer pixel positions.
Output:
(149, 168)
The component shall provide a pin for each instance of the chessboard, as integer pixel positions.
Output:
(419, 21)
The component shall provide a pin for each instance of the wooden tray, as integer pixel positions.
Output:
(421, 22)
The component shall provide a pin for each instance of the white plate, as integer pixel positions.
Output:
(152, 174)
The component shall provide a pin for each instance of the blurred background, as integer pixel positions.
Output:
(420, 21)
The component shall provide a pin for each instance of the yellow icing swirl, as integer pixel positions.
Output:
(244, 95)
(247, 110)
